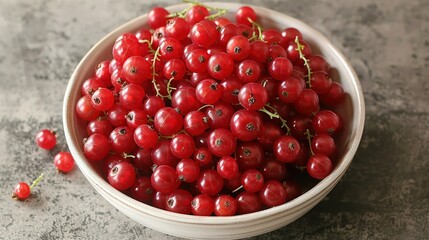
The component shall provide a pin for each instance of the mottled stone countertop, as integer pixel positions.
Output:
(384, 195)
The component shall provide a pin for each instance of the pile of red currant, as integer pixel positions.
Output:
(200, 115)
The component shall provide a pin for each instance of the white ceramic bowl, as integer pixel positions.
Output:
(352, 111)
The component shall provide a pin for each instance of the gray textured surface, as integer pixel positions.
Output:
(384, 195)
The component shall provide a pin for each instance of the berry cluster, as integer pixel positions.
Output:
(200, 115)
(63, 161)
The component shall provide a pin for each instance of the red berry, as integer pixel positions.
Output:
(64, 162)
(46, 139)
(122, 176)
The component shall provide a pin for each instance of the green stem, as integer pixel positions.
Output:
(154, 74)
(309, 136)
(260, 30)
(220, 13)
(299, 48)
(36, 181)
(126, 155)
(275, 115)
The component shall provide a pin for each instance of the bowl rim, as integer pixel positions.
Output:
(333, 178)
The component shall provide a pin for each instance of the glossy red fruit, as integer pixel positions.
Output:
(242, 15)
(249, 155)
(274, 170)
(227, 167)
(142, 190)
(246, 125)
(188, 170)
(202, 205)
(179, 201)
(326, 121)
(90, 85)
(248, 203)
(307, 103)
(21, 191)
(64, 161)
(323, 144)
(152, 104)
(158, 200)
(197, 60)
(209, 182)
(238, 47)
(96, 147)
(225, 205)
(177, 28)
(164, 179)
(157, 17)
(334, 95)
(168, 121)
(203, 156)
(122, 140)
(273, 193)
(182, 146)
(269, 133)
(280, 68)
(219, 116)
(99, 125)
(161, 153)
(195, 123)
(204, 33)
(208, 91)
(221, 142)
(131, 96)
(196, 14)
(85, 110)
(136, 118)
(220, 65)
(253, 96)
(252, 180)
(286, 149)
(170, 48)
(46, 139)
(145, 136)
(122, 176)
(319, 166)
(290, 90)
(289, 34)
(126, 46)
(136, 69)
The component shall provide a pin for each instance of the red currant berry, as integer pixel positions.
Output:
(179, 201)
(142, 190)
(273, 193)
(122, 176)
(168, 121)
(220, 65)
(204, 33)
(196, 14)
(177, 28)
(145, 136)
(248, 203)
(319, 166)
(157, 17)
(280, 68)
(122, 140)
(246, 125)
(227, 167)
(209, 182)
(202, 205)
(253, 96)
(188, 170)
(161, 153)
(225, 205)
(203, 156)
(102, 99)
(243, 14)
(64, 161)
(307, 103)
(99, 125)
(221, 142)
(248, 71)
(238, 47)
(21, 191)
(137, 69)
(208, 91)
(46, 139)
(85, 110)
(252, 180)
(286, 149)
(182, 146)
(326, 121)
(96, 147)
(250, 155)
(164, 179)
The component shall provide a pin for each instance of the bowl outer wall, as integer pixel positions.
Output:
(102, 51)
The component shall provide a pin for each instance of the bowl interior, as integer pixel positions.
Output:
(352, 112)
